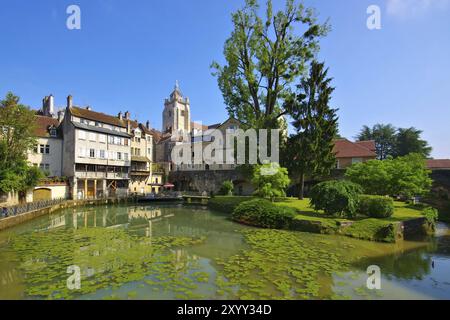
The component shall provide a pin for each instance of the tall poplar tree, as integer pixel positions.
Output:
(265, 57)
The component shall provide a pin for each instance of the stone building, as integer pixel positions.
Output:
(47, 153)
(96, 153)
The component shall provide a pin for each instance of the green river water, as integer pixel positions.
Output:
(176, 252)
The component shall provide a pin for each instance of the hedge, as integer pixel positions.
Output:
(263, 213)
(376, 206)
(226, 204)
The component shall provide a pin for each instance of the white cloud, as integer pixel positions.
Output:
(414, 8)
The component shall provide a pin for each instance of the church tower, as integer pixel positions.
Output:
(177, 113)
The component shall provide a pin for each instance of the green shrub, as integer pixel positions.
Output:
(227, 188)
(337, 197)
(376, 206)
(263, 213)
(226, 204)
(431, 214)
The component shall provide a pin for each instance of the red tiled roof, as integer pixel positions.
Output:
(97, 116)
(344, 148)
(370, 144)
(43, 124)
(198, 126)
(438, 164)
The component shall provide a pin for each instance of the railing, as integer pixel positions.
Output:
(28, 207)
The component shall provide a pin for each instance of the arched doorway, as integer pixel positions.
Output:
(42, 194)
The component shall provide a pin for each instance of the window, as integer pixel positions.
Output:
(126, 141)
(102, 138)
(149, 151)
(119, 155)
(44, 149)
(138, 151)
(125, 156)
(182, 113)
(92, 153)
(36, 148)
(97, 124)
(338, 165)
(102, 154)
(81, 134)
(53, 132)
(92, 136)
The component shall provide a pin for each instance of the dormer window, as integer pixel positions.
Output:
(52, 131)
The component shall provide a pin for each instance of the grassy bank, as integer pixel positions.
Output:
(309, 220)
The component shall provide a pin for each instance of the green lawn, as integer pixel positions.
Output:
(363, 228)
(402, 211)
(309, 220)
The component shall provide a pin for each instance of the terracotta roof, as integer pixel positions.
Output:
(344, 148)
(145, 129)
(101, 130)
(438, 164)
(97, 116)
(195, 125)
(43, 124)
(370, 144)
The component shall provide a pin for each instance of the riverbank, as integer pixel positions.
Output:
(406, 222)
(12, 221)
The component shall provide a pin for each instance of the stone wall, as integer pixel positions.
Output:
(209, 181)
(12, 221)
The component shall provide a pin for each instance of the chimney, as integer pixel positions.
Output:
(60, 116)
(127, 115)
(147, 124)
(120, 115)
(69, 101)
(51, 105)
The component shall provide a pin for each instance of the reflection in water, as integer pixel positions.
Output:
(173, 252)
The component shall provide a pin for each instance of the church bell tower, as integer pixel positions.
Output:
(177, 113)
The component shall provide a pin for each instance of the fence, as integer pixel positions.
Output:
(24, 208)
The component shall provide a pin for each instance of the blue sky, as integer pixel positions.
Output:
(128, 55)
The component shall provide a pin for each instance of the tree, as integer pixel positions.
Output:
(264, 58)
(16, 138)
(310, 151)
(404, 176)
(270, 181)
(409, 141)
(384, 137)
